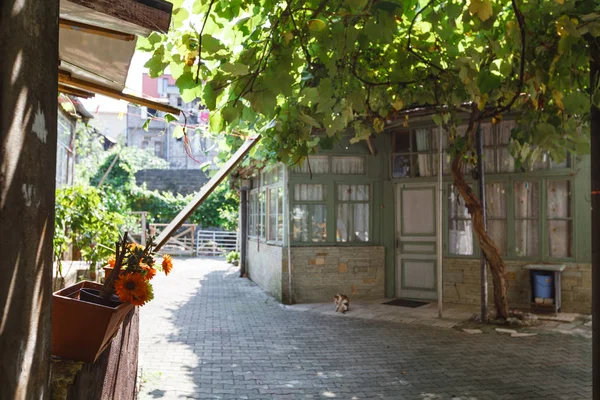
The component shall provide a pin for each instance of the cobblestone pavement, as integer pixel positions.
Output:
(210, 334)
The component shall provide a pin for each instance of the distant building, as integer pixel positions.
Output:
(159, 136)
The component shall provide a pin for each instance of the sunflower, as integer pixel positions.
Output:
(112, 261)
(133, 288)
(150, 272)
(167, 264)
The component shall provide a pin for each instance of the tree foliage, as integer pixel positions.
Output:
(305, 72)
(312, 69)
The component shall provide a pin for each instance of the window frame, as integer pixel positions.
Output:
(309, 203)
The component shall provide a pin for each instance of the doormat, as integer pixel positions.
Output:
(406, 303)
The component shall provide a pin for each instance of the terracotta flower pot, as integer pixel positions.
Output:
(82, 330)
(107, 271)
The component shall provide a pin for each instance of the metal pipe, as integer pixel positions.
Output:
(244, 229)
(288, 229)
(481, 185)
(595, 196)
(440, 277)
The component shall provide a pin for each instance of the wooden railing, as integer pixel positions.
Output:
(180, 243)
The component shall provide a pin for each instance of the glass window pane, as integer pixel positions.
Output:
(456, 205)
(526, 199)
(343, 222)
(401, 166)
(272, 232)
(460, 237)
(309, 192)
(300, 223)
(559, 199)
(361, 223)
(401, 142)
(559, 238)
(526, 238)
(563, 164)
(353, 192)
(460, 228)
(422, 139)
(495, 200)
(423, 165)
(319, 222)
(497, 232)
(348, 165)
(318, 165)
(506, 163)
(262, 210)
(279, 214)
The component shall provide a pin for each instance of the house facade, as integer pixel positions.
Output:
(365, 225)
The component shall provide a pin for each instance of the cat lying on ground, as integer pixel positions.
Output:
(342, 303)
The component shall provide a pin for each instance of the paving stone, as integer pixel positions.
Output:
(209, 334)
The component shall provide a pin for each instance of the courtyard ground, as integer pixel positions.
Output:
(210, 334)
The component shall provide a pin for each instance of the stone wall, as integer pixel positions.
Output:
(462, 284)
(184, 181)
(264, 265)
(321, 272)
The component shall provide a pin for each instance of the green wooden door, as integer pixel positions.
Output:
(416, 241)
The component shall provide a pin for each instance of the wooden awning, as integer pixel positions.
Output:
(97, 40)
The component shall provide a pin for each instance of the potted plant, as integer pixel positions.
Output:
(87, 315)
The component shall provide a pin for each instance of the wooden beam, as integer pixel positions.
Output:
(75, 92)
(95, 30)
(154, 15)
(206, 190)
(66, 79)
(371, 147)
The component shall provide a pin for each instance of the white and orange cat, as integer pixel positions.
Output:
(342, 303)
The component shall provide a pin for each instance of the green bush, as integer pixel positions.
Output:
(219, 210)
(83, 220)
(232, 256)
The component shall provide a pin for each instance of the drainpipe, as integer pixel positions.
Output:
(440, 225)
(244, 226)
(595, 186)
(481, 185)
(288, 229)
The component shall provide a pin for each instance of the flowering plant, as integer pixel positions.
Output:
(134, 266)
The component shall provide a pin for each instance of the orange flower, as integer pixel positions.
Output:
(167, 264)
(111, 261)
(150, 272)
(133, 288)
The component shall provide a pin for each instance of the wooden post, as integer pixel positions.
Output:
(595, 178)
(482, 259)
(28, 121)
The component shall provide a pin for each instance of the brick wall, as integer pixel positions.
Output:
(264, 265)
(321, 272)
(184, 181)
(462, 284)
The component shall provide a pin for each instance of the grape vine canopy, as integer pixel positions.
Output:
(305, 72)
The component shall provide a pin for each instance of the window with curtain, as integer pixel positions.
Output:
(414, 153)
(352, 223)
(262, 212)
(309, 213)
(275, 214)
(318, 165)
(558, 218)
(495, 201)
(253, 214)
(348, 165)
(460, 226)
(526, 203)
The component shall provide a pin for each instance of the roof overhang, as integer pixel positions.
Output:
(97, 40)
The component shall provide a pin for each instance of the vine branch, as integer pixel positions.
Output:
(200, 39)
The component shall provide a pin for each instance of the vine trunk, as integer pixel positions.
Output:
(489, 248)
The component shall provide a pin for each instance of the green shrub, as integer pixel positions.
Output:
(232, 256)
(83, 220)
